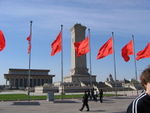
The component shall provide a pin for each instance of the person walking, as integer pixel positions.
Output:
(92, 93)
(85, 101)
(89, 94)
(141, 104)
(101, 96)
(95, 95)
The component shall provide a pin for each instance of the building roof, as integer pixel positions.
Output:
(17, 69)
(25, 72)
(26, 75)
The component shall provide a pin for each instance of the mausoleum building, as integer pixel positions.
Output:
(18, 78)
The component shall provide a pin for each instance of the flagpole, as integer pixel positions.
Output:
(62, 91)
(135, 66)
(29, 76)
(90, 57)
(114, 64)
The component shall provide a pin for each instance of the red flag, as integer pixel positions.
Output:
(145, 53)
(2, 41)
(106, 49)
(29, 42)
(57, 44)
(82, 47)
(127, 50)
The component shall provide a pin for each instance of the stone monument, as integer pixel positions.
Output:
(79, 71)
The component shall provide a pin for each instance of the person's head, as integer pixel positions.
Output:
(85, 92)
(145, 77)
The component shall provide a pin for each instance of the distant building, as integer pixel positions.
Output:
(18, 78)
(110, 79)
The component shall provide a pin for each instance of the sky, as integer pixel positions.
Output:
(123, 17)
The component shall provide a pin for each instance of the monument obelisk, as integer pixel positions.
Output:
(79, 71)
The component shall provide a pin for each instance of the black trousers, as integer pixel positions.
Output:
(101, 99)
(83, 105)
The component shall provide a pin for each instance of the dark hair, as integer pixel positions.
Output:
(145, 76)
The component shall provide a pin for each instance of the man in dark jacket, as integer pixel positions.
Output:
(142, 103)
(101, 95)
(85, 102)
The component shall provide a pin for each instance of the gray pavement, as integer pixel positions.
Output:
(110, 105)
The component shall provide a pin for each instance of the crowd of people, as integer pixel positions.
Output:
(91, 95)
(139, 105)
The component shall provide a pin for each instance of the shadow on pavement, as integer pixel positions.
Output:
(26, 103)
(120, 112)
(65, 101)
(131, 97)
(97, 111)
(108, 101)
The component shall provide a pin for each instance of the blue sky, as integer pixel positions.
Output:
(123, 17)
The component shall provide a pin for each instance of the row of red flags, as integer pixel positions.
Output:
(82, 47)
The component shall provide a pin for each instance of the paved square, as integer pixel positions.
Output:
(110, 105)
